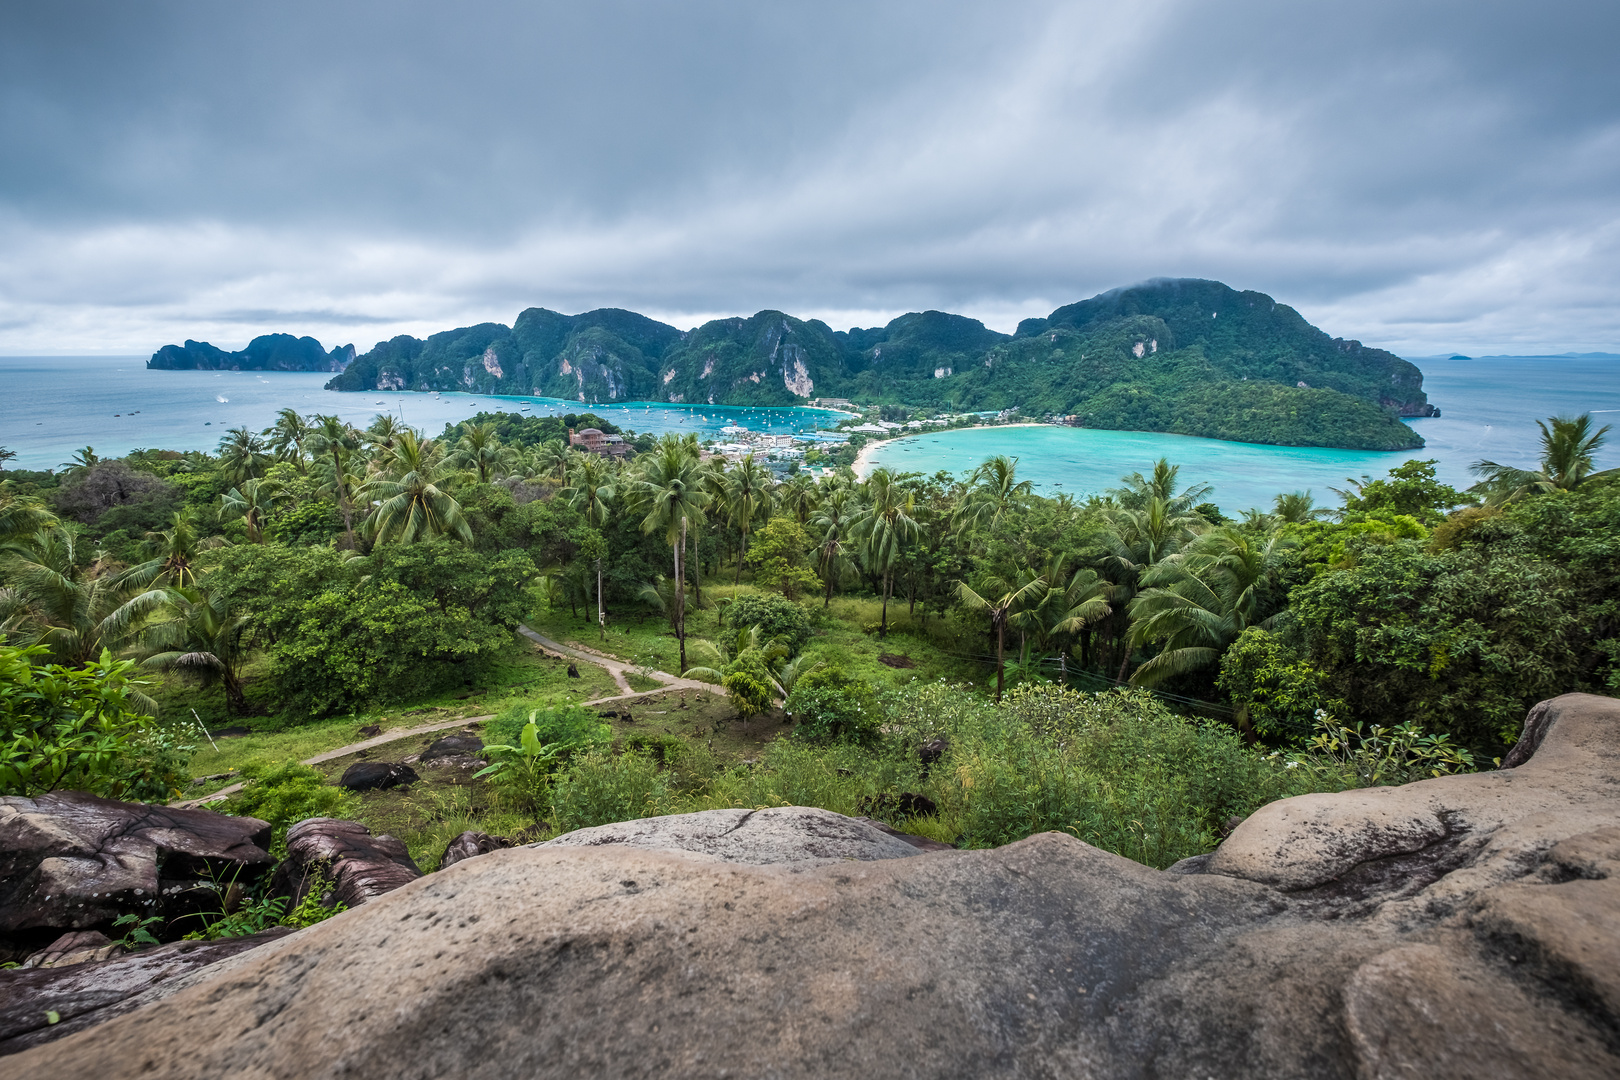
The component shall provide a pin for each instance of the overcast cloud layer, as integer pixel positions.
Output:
(1422, 176)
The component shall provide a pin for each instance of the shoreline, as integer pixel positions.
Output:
(863, 457)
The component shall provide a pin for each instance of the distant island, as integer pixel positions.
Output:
(1184, 356)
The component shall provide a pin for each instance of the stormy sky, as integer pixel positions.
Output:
(1423, 176)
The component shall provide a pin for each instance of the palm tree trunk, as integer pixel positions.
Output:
(1124, 657)
(883, 628)
(1001, 652)
(680, 595)
(601, 615)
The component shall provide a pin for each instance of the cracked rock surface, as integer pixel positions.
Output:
(1459, 927)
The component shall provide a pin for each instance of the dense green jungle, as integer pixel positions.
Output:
(1189, 357)
(954, 655)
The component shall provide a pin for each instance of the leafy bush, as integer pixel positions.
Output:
(571, 727)
(830, 705)
(599, 788)
(284, 795)
(776, 616)
(155, 766)
(748, 693)
(1275, 691)
(69, 727)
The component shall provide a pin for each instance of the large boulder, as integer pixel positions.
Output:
(782, 834)
(85, 994)
(470, 845)
(358, 866)
(71, 861)
(377, 776)
(1289, 956)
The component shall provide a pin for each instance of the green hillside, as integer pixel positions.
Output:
(1188, 356)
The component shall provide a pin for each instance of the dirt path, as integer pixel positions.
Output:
(616, 668)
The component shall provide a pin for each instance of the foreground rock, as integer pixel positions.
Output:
(85, 994)
(72, 861)
(357, 865)
(785, 834)
(1488, 950)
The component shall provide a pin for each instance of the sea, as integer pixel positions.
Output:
(52, 406)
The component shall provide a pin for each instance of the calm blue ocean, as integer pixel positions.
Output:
(51, 406)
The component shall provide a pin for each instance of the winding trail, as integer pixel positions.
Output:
(615, 667)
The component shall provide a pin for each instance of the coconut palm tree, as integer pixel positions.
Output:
(1134, 541)
(480, 452)
(1196, 603)
(410, 497)
(286, 437)
(1568, 449)
(669, 491)
(192, 632)
(798, 496)
(175, 554)
(747, 500)
(21, 516)
(383, 431)
(82, 460)
(252, 502)
(1297, 508)
(1001, 599)
(334, 443)
(550, 460)
(993, 490)
(834, 519)
(883, 529)
(242, 456)
(591, 488)
(1138, 490)
(58, 603)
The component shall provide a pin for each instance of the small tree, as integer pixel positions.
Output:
(780, 558)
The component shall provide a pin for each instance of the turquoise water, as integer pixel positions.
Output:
(51, 406)
(1489, 409)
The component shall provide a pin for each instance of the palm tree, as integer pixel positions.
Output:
(884, 529)
(252, 502)
(1568, 448)
(591, 489)
(175, 553)
(550, 460)
(1297, 508)
(286, 437)
(241, 455)
(383, 431)
(670, 491)
(798, 497)
(1138, 490)
(21, 516)
(56, 602)
(833, 519)
(1134, 541)
(82, 459)
(480, 451)
(410, 498)
(1073, 608)
(994, 489)
(333, 442)
(192, 632)
(747, 499)
(1008, 599)
(1197, 603)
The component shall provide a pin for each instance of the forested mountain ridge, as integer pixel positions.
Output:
(268, 352)
(1187, 356)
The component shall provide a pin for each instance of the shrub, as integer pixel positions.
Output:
(777, 617)
(284, 795)
(599, 788)
(571, 727)
(830, 706)
(748, 693)
(68, 727)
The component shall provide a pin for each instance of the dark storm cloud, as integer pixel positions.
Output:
(1428, 176)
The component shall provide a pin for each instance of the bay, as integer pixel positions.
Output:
(52, 406)
(1488, 409)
